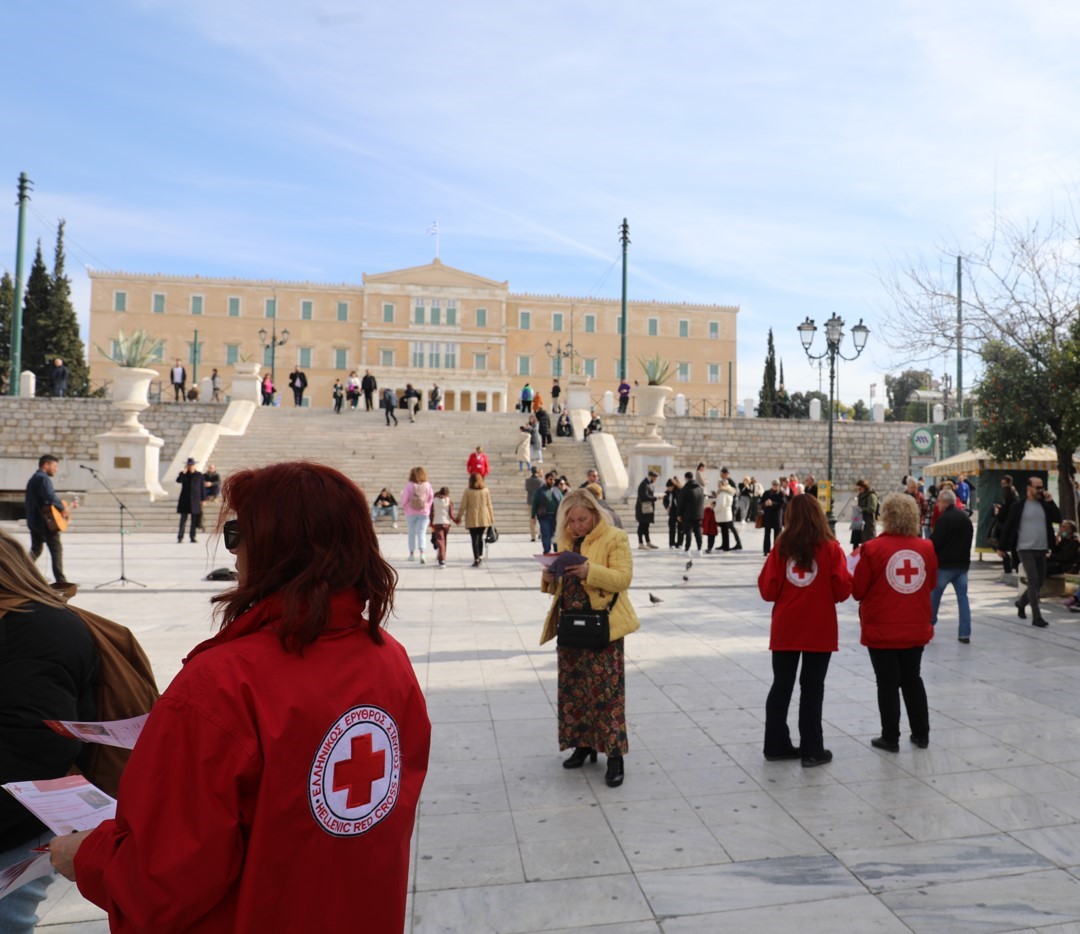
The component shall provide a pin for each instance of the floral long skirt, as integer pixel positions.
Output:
(592, 699)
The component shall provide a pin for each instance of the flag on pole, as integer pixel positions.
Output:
(434, 229)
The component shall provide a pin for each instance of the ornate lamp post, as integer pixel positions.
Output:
(559, 353)
(274, 342)
(834, 333)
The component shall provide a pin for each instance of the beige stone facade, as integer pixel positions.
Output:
(426, 325)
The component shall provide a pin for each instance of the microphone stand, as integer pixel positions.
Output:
(123, 579)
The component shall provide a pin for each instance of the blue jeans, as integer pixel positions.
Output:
(417, 531)
(390, 511)
(18, 911)
(547, 531)
(958, 577)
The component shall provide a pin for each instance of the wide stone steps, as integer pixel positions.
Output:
(373, 455)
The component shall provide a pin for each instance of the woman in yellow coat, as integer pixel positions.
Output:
(476, 512)
(592, 682)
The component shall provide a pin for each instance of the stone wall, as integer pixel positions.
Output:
(768, 447)
(30, 427)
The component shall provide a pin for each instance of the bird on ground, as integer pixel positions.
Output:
(654, 599)
(689, 564)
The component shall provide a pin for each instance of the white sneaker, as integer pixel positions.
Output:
(395, 525)
(423, 560)
(642, 547)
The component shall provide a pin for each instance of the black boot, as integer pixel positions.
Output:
(577, 760)
(614, 776)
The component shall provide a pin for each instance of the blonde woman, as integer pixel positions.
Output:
(476, 512)
(417, 498)
(592, 682)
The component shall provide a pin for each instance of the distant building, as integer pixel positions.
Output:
(429, 324)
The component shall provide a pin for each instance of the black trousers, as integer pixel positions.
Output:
(477, 536)
(675, 532)
(1034, 563)
(367, 400)
(771, 535)
(728, 529)
(897, 673)
(815, 665)
(39, 539)
(694, 528)
(643, 532)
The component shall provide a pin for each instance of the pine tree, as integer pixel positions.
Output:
(767, 396)
(66, 343)
(7, 303)
(37, 332)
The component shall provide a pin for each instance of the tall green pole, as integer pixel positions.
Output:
(624, 236)
(17, 301)
(959, 344)
(195, 360)
(729, 410)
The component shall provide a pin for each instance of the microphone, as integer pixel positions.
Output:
(84, 467)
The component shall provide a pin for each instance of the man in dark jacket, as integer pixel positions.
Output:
(1029, 531)
(58, 379)
(691, 510)
(952, 545)
(368, 387)
(192, 483)
(298, 383)
(40, 496)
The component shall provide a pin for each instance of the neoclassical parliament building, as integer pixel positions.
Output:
(427, 325)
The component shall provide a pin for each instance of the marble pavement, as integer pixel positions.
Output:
(979, 833)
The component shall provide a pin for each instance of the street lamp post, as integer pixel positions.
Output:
(274, 342)
(560, 353)
(834, 333)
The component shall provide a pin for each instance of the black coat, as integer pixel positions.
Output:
(952, 536)
(645, 494)
(192, 486)
(1011, 532)
(691, 502)
(48, 666)
(543, 421)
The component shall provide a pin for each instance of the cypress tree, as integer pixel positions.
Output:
(7, 304)
(66, 343)
(37, 332)
(767, 396)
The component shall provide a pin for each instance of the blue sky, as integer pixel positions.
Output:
(782, 157)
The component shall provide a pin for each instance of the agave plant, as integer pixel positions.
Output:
(137, 349)
(656, 369)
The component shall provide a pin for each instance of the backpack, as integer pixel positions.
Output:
(125, 688)
(417, 501)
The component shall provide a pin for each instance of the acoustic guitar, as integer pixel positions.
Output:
(54, 518)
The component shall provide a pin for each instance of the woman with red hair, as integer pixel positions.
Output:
(805, 576)
(274, 786)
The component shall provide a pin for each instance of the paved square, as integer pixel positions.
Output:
(978, 833)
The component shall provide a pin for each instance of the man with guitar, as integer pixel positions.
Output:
(46, 515)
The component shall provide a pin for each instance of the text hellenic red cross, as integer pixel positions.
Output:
(907, 571)
(359, 773)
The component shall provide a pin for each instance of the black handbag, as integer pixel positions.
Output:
(492, 535)
(584, 629)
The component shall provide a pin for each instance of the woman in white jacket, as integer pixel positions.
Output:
(725, 501)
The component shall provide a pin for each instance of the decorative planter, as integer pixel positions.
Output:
(130, 388)
(651, 401)
(247, 368)
(246, 382)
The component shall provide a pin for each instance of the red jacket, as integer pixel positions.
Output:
(708, 522)
(804, 610)
(478, 463)
(893, 581)
(269, 791)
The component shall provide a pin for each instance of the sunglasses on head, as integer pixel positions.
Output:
(230, 533)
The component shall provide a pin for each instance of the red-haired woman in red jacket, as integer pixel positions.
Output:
(893, 580)
(805, 576)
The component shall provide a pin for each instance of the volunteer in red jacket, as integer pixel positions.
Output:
(893, 580)
(274, 787)
(805, 576)
(478, 462)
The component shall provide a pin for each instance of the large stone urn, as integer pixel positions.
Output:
(128, 455)
(130, 394)
(650, 400)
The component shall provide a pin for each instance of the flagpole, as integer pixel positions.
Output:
(434, 229)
